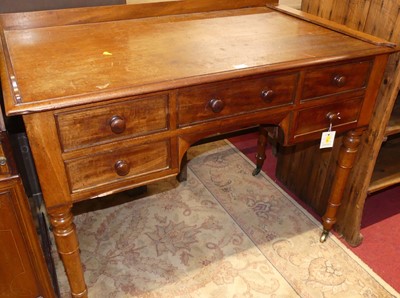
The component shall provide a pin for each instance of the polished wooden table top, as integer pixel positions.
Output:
(95, 61)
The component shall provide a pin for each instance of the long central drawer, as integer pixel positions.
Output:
(213, 101)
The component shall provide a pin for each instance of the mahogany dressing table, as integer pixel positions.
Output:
(112, 97)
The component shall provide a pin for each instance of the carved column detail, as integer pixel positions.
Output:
(68, 247)
(345, 162)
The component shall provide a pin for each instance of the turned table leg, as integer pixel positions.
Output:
(347, 156)
(68, 248)
(261, 144)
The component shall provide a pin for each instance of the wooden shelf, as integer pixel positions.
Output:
(393, 126)
(387, 168)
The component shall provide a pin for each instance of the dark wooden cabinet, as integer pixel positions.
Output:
(23, 270)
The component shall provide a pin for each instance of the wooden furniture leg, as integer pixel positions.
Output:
(345, 162)
(137, 191)
(261, 144)
(182, 176)
(68, 248)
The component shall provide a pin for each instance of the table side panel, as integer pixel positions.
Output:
(374, 83)
(43, 139)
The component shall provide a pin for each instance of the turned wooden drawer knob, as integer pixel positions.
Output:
(267, 95)
(122, 167)
(3, 160)
(117, 124)
(331, 116)
(339, 80)
(216, 105)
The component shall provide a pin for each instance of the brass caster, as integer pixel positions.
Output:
(324, 236)
(256, 171)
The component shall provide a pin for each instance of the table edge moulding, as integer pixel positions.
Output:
(112, 97)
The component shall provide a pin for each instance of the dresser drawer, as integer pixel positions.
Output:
(111, 166)
(207, 102)
(316, 119)
(336, 79)
(111, 122)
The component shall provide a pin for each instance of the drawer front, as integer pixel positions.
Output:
(113, 166)
(336, 79)
(316, 119)
(207, 102)
(126, 119)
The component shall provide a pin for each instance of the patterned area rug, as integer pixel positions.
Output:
(223, 233)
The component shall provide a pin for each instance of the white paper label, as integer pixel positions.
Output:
(327, 139)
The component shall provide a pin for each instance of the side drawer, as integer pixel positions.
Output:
(315, 119)
(111, 166)
(336, 79)
(207, 102)
(111, 122)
